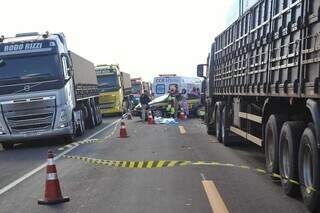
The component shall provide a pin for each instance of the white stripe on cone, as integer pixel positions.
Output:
(52, 176)
(50, 161)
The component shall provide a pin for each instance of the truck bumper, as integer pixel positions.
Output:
(23, 137)
(110, 111)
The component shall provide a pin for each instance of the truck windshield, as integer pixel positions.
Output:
(29, 69)
(136, 88)
(108, 83)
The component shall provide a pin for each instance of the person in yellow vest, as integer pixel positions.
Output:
(173, 99)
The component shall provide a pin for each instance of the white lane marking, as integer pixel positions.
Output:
(34, 171)
(112, 133)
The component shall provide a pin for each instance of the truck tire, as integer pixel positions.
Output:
(98, 115)
(90, 123)
(271, 142)
(211, 129)
(218, 123)
(289, 140)
(7, 146)
(95, 114)
(70, 138)
(225, 133)
(158, 113)
(309, 169)
(81, 129)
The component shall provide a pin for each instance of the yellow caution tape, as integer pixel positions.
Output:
(91, 141)
(151, 164)
(131, 164)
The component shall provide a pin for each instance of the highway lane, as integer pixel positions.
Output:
(99, 188)
(25, 157)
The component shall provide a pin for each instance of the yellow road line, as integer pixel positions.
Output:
(215, 200)
(182, 130)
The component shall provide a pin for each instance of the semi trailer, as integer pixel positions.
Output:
(45, 90)
(262, 84)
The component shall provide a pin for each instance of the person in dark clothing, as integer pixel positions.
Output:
(144, 100)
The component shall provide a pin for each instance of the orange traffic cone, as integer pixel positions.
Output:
(182, 116)
(52, 193)
(150, 118)
(129, 115)
(123, 130)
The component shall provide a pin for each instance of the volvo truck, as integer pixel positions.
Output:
(263, 84)
(45, 90)
(114, 87)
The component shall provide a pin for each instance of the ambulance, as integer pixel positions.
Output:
(162, 83)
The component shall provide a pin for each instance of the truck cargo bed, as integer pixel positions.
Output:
(271, 50)
(84, 77)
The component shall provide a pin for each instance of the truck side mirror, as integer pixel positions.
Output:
(68, 64)
(200, 68)
(70, 73)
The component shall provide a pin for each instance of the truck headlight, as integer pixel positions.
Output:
(1, 130)
(63, 121)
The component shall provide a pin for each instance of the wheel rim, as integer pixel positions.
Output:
(270, 148)
(157, 113)
(222, 129)
(285, 159)
(82, 124)
(217, 126)
(307, 168)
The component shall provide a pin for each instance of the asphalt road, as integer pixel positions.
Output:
(193, 188)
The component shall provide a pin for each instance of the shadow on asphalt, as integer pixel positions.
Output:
(249, 149)
(53, 142)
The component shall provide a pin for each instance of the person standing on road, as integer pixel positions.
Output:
(144, 100)
(173, 100)
(184, 101)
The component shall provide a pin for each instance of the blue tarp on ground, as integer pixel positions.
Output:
(160, 120)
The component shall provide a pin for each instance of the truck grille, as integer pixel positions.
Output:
(107, 105)
(29, 114)
(107, 101)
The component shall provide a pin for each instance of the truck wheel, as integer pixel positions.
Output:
(272, 133)
(70, 138)
(81, 129)
(90, 119)
(95, 114)
(98, 115)
(211, 129)
(93, 120)
(288, 155)
(157, 113)
(309, 169)
(225, 134)
(7, 146)
(218, 123)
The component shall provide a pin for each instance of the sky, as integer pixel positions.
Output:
(145, 37)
